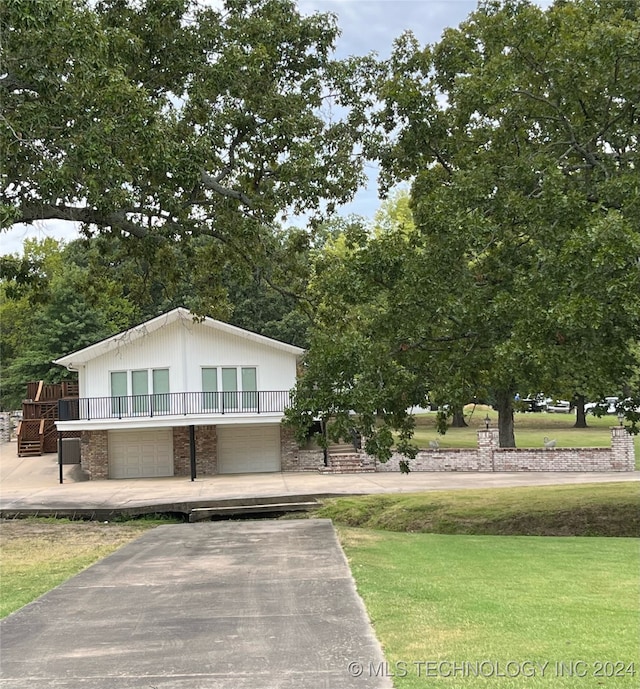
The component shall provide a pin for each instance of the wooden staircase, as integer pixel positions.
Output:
(37, 432)
(30, 437)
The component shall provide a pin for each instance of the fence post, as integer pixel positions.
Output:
(622, 449)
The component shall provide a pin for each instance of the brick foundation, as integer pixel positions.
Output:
(486, 457)
(311, 460)
(206, 451)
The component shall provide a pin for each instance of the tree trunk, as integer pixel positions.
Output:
(504, 405)
(581, 417)
(458, 418)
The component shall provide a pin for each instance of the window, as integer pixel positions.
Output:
(210, 389)
(160, 378)
(140, 402)
(229, 388)
(249, 388)
(119, 402)
(140, 391)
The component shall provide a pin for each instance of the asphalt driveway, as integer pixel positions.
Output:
(260, 605)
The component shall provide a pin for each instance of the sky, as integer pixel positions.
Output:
(366, 26)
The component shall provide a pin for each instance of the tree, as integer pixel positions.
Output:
(166, 119)
(518, 132)
(62, 305)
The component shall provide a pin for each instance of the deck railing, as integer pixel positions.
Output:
(173, 404)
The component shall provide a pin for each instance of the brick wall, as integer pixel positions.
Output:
(94, 454)
(310, 460)
(489, 457)
(294, 458)
(206, 451)
(435, 460)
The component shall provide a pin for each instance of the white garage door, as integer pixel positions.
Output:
(141, 454)
(248, 449)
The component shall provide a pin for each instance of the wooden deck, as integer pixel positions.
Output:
(37, 431)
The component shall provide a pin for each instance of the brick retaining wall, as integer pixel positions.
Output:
(489, 457)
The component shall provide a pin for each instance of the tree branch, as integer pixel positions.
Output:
(29, 212)
(212, 183)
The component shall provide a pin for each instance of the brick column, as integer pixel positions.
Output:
(94, 454)
(623, 456)
(206, 451)
(289, 457)
(487, 444)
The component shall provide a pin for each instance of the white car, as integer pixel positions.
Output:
(560, 407)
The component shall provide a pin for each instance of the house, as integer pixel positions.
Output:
(176, 395)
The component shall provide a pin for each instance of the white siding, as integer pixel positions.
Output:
(184, 347)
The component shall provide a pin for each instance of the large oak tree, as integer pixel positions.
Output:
(170, 118)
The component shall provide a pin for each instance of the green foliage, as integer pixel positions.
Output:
(65, 308)
(166, 120)
(518, 132)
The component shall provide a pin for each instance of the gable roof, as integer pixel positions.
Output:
(81, 356)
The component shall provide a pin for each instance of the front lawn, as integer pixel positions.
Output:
(516, 611)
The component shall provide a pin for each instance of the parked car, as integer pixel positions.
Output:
(531, 404)
(559, 407)
(609, 404)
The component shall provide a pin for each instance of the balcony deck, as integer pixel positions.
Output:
(176, 408)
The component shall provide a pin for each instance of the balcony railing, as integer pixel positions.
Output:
(173, 404)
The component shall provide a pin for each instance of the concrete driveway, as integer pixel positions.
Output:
(259, 605)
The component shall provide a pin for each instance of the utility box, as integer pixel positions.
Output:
(70, 450)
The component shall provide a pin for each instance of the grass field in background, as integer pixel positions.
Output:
(500, 604)
(530, 430)
(597, 509)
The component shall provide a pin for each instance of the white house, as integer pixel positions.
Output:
(176, 394)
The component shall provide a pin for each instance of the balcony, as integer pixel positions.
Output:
(176, 404)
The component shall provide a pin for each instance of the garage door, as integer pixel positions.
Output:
(248, 449)
(140, 454)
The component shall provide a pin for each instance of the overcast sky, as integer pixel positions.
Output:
(366, 26)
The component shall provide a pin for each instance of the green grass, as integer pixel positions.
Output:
(604, 509)
(39, 554)
(501, 599)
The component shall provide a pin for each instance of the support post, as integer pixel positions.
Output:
(192, 451)
(60, 475)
